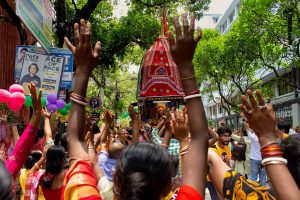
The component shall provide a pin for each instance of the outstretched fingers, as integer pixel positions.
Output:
(97, 49)
(185, 24)
(192, 26)
(199, 35)
(260, 98)
(177, 27)
(82, 32)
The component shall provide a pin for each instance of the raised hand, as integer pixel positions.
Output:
(260, 116)
(132, 113)
(3, 116)
(107, 117)
(46, 114)
(179, 124)
(184, 46)
(36, 99)
(86, 58)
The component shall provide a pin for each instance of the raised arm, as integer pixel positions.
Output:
(183, 49)
(214, 137)
(21, 151)
(262, 121)
(135, 124)
(47, 126)
(86, 59)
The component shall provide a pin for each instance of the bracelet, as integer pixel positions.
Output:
(274, 163)
(183, 153)
(91, 147)
(272, 154)
(270, 149)
(194, 92)
(164, 145)
(185, 148)
(269, 144)
(78, 101)
(187, 78)
(265, 160)
(36, 166)
(192, 96)
(78, 96)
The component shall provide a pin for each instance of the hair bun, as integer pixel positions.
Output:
(136, 186)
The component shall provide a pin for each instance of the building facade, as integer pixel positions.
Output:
(286, 100)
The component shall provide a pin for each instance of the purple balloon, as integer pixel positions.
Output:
(51, 107)
(60, 104)
(52, 98)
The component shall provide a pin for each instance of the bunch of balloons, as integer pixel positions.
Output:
(14, 97)
(54, 104)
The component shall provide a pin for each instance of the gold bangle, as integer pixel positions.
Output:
(36, 165)
(187, 78)
(274, 162)
(185, 148)
(164, 145)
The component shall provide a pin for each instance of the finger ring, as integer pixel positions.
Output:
(262, 107)
(249, 112)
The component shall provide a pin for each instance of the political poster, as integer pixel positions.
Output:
(66, 80)
(37, 16)
(44, 71)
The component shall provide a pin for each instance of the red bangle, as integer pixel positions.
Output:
(273, 154)
(270, 146)
(193, 92)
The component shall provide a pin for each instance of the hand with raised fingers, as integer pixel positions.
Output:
(86, 58)
(47, 114)
(179, 124)
(3, 116)
(183, 47)
(36, 99)
(132, 113)
(107, 117)
(260, 116)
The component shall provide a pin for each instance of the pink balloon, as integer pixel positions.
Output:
(4, 96)
(13, 106)
(16, 88)
(17, 98)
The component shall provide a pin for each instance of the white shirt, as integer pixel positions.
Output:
(254, 146)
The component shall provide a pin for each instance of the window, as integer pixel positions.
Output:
(285, 84)
(215, 19)
(116, 2)
(231, 17)
(220, 109)
(223, 27)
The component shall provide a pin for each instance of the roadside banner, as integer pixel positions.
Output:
(37, 17)
(66, 79)
(44, 71)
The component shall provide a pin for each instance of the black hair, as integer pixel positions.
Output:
(23, 49)
(37, 68)
(62, 140)
(291, 151)
(55, 162)
(285, 127)
(143, 172)
(32, 159)
(39, 135)
(6, 182)
(95, 129)
(223, 130)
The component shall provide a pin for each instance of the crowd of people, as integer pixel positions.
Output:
(178, 157)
